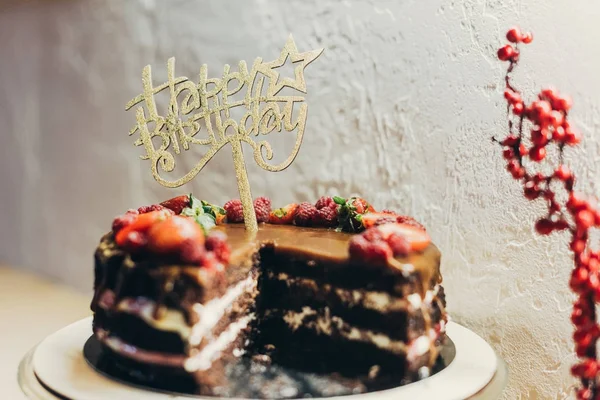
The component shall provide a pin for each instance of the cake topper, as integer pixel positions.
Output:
(192, 105)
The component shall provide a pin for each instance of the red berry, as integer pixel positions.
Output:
(563, 173)
(548, 94)
(508, 153)
(518, 108)
(531, 191)
(587, 369)
(150, 208)
(122, 221)
(373, 234)
(527, 37)
(584, 394)
(514, 35)
(576, 201)
(541, 110)
(561, 224)
(398, 244)
(558, 134)
(537, 153)
(325, 201)
(578, 246)
(512, 96)
(579, 278)
(306, 214)
(562, 103)
(585, 219)
(523, 150)
(283, 215)
(177, 204)
(510, 140)
(578, 316)
(362, 250)
(572, 137)
(262, 208)
(360, 205)
(327, 217)
(166, 237)
(234, 210)
(141, 224)
(406, 220)
(556, 119)
(544, 226)
(506, 53)
(133, 241)
(191, 252)
(216, 242)
(539, 137)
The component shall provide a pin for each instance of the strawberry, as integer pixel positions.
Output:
(417, 238)
(361, 206)
(141, 224)
(177, 204)
(372, 219)
(166, 237)
(283, 215)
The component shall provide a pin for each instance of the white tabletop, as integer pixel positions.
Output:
(31, 308)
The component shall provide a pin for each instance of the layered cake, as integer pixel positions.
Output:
(183, 291)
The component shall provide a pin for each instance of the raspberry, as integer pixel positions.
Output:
(398, 244)
(306, 214)
(327, 217)
(153, 207)
(192, 252)
(361, 249)
(372, 235)
(217, 243)
(325, 201)
(262, 208)
(134, 241)
(122, 221)
(234, 211)
(210, 262)
(405, 219)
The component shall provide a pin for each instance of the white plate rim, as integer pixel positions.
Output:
(59, 364)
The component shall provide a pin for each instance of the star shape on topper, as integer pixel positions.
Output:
(276, 82)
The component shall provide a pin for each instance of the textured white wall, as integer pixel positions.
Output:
(401, 106)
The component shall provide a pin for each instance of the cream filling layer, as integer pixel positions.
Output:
(204, 359)
(327, 325)
(198, 362)
(373, 300)
(174, 320)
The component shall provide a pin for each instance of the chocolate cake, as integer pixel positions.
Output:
(182, 291)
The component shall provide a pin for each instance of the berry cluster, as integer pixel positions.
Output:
(547, 119)
(380, 242)
(160, 231)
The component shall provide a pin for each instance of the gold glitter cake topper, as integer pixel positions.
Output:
(162, 136)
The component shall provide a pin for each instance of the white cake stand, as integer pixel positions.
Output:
(56, 369)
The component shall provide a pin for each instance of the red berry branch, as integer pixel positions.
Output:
(547, 122)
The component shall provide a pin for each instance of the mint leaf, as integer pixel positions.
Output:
(206, 221)
(194, 202)
(339, 200)
(188, 212)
